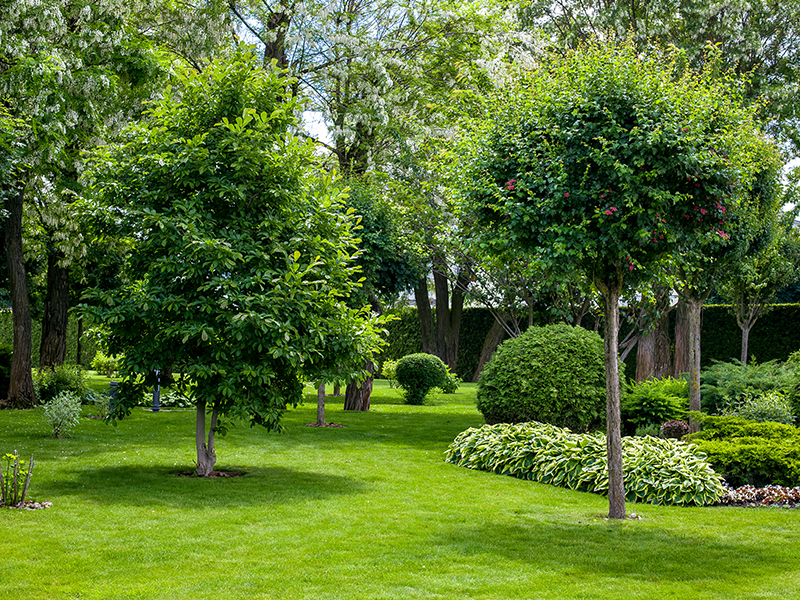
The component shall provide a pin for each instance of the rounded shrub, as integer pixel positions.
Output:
(417, 374)
(553, 374)
(63, 412)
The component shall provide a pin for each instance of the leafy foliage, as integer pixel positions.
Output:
(771, 406)
(6, 351)
(451, 382)
(553, 374)
(63, 412)
(49, 383)
(105, 365)
(14, 480)
(242, 256)
(417, 374)
(656, 471)
(655, 401)
(746, 452)
(727, 383)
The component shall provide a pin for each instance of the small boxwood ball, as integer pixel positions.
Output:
(417, 374)
(553, 374)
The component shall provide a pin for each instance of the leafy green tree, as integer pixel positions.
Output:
(608, 162)
(243, 257)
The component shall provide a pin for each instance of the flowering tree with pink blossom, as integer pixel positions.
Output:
(611, 163)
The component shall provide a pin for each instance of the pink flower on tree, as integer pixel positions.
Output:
(566, 194)
(510, 185)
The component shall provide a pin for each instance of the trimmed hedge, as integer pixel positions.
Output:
(750, 453)
(656, 471)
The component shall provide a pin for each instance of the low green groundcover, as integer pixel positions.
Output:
(657, 471)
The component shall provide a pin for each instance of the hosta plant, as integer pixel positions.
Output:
(656, 471)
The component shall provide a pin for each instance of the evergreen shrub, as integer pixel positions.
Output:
(771, 406)
(654, 402)
(727, 383)
(418, 373)
(750, 453)
(553, 374)
(657, 471)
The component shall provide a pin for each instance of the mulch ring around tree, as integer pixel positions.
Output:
(28, 505)
(213, 474)
(323, 425)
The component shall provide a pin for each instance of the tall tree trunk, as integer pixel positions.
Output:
(616, 486)
(662, 359)
(694, 306)
(645, 356)
(681, 362)
(337, 389)
(425, 316)
(20, 390)
(53, 348)
(206, 454)
(357, 395)
(490, 343)
(449, 310)
(321, 405)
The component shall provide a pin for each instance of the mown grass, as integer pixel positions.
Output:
(368, 511)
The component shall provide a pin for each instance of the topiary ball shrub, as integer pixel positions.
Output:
(553, 374)
(417, 374)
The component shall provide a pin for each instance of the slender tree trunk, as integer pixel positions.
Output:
(694, 308)
(681, 362)
(53, 348)
(425, 316)
(321, 405)
(357, 395)
(490, 344)
(337, 389)
(79, 344)
(449, 311)
(662, 361)
(20, 390)
(616, 485)
(745, 343)
(206, 454)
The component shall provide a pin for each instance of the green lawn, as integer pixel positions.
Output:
(366, 511)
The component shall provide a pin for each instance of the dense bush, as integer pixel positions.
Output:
(657, 471)
(63, 412)
(417, 374)
(793, 386)
(654, 401)
(726, 383)
(553, 374)
(5, 369)
(389, 371)
(746, 452)
(451, 382)
(106, 365)
(49, 383)
(767, 406)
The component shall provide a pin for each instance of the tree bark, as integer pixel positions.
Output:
(53, 348)
(79, 344)
(694, 307)
(616, 485)
(645, 356)
(20, 390)
(680, 363)
(321, 405)
(449, 310)
(745, 342)
(490, 343)
(662, 360)
(206, 454)
(357, 395)
(425, 316)
(337, 389)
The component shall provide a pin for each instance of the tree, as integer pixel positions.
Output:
(243, 257)
(596, 161)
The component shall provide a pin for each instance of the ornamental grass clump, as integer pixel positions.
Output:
(656, 471)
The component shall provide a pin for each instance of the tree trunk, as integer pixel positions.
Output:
(20, 390)
(337, 389)
(357, 395)
(448, 314)
(425, 316)
(694, 307)
(645, 356)
(681, 362)
(662, 359)
(79, 344)
(745, 342)
(321, 405)
(206, 454)
(616, 485)
(490, 343)
(53, 348)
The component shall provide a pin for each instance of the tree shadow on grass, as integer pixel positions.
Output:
(162, 486)
(630, 552)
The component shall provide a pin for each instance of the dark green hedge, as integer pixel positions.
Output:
(775, 336)
(88, 349)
